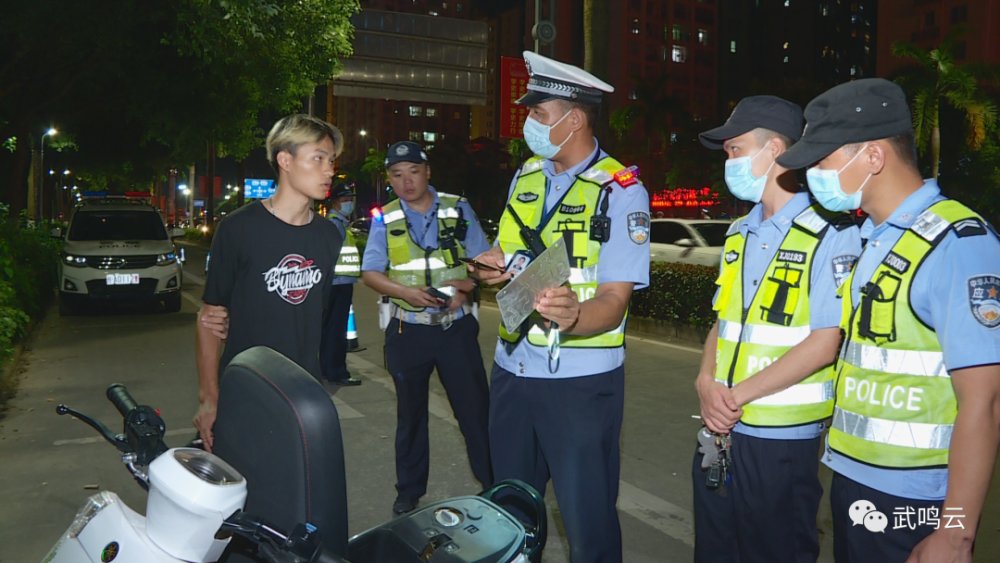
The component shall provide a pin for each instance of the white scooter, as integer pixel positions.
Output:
(196, 499)
(194, 507)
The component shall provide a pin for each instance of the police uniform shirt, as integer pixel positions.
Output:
(423, 229)
(941, 298)
(838, 248)
(340, 220)
(620, 260)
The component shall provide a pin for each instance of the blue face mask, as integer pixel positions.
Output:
(347, 208)
(741, 181)
(825, 187)
(537, 137)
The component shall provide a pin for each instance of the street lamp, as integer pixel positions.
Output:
(378, 188)
(41, 178)
(187, 193)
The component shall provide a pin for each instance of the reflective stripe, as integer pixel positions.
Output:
(811, 221)
(905, 434)
(536, 329)
(447, 213)
(583, 275)
(343, 268)
(900, 362)
(800, 394)
(597, 175)
(765, 335)
(929, 225)
(533, 166)
(348, 250)
(393, 216)
(419, 265)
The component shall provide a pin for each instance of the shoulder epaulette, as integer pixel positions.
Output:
(813, 220)
(734, 228)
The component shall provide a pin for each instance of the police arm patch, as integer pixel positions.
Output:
(638, 227)
(984, 299)
(842, 266)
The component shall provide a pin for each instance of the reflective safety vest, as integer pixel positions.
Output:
(413, 266)
(571, 220)
(895, 403)
(755, 336)
(349, 262)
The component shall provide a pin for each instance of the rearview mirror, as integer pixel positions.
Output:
(685, 242)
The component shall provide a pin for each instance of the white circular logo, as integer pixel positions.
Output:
(858, 511)
(875, 521)
(402, 150)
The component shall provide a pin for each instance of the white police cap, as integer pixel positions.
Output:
(553, 80)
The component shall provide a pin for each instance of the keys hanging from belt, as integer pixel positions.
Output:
(717, 459)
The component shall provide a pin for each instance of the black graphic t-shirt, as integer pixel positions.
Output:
(274, 279)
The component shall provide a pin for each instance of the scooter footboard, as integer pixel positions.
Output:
(457, 530)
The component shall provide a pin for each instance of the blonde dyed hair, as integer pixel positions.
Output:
(291, 132)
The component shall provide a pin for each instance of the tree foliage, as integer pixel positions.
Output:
(150, 83)
(937, 78)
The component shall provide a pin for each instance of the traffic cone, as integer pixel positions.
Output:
(352, 333)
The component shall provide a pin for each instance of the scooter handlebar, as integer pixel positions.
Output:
(121, 399)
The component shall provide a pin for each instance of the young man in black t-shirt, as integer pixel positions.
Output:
(272, 262)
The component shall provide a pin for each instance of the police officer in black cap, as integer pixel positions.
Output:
(766, 379)
(333, 353)
(412, 258)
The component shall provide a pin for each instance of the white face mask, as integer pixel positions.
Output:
(825, 187)
(741, 181)
(536, 134)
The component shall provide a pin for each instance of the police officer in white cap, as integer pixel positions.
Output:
(559, 414)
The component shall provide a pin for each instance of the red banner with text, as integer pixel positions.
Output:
(513, 85)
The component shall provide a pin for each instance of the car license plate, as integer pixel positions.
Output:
(122, 279)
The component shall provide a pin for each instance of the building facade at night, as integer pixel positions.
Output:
(793, 48)
(418, 68)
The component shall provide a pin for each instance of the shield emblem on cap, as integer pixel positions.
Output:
(402, 150)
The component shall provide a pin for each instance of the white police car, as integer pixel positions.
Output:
(117, 249)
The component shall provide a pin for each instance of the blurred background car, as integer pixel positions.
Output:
(691, 241)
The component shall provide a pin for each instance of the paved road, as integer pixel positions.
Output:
(47, 462)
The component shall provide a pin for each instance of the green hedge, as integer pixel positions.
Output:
(678, 293)
(28, 277)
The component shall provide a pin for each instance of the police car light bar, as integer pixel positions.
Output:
(627, 176)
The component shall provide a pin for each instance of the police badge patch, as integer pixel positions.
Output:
(842, 266)
(638, 227)
(731, 256)
(984, 299)
(527, 197)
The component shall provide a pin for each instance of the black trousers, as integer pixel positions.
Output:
(769, 511)
(856, 544)
(566, 429)
(411, 356)
(333, 351)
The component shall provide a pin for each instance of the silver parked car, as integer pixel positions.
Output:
(691, 241)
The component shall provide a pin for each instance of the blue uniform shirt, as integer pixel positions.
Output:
(340, 220)
(423, 229)
(939, 297)
(620, 260)
(762, 241)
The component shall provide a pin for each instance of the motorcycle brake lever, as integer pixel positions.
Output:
(116, 440)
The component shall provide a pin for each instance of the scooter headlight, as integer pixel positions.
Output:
(94, 505)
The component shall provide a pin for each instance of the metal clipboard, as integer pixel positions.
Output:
(547, 271)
